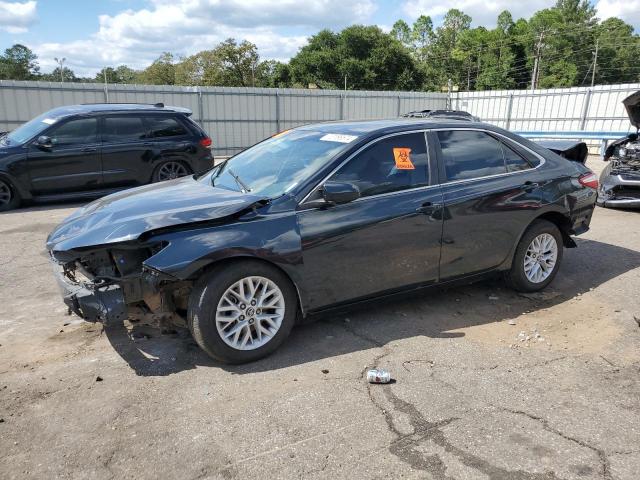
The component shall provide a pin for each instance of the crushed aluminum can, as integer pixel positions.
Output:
(378, 375)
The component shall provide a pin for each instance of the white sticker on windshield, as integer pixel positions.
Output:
(49, 121)
(338, 137)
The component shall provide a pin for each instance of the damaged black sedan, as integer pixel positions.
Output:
(620, 179)
(319, 217)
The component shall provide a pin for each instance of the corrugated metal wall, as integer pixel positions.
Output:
(234, 117)
(591, 109)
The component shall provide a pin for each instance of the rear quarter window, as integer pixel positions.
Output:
(165, 126)
(469, 154)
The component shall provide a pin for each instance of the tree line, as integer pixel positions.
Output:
(562, 46)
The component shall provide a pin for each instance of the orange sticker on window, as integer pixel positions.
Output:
(403, 158)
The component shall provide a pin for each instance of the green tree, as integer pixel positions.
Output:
(368, 57)
(19, 63)
(161, 72)
(401, 32)
(66, 75)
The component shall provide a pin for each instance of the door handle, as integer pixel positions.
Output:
(89, 149)
(428, 207)
(529, 185)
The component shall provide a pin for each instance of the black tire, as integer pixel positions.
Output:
(157, 175)
(9, 197)
(516, 277)
(206, 295)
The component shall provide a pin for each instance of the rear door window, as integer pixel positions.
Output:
(164, 126)
(470, 154)
(392, 164)
(123, 129)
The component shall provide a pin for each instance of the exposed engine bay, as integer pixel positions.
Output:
(109, 285)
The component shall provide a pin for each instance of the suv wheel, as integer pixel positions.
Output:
(537, 258)
(8, 196)
(169, 171)
(242, 312)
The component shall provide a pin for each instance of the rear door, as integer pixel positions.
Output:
(73, 162)
(172, 141)
(490, 194)
(127, 150)
(385, 240)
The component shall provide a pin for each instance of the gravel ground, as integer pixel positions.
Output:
(489, 384)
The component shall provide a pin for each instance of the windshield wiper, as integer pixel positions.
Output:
(241, 184)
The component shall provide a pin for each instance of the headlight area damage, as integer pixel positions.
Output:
(620, 179)
(110, 284)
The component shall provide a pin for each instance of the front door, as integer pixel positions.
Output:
(385, 240)
(73, 161)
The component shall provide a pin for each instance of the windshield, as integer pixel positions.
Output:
(275, 166)
(29, 130)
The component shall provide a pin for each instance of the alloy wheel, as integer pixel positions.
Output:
(171, 170)
(5, 194)
(250, 313)
(540, 258)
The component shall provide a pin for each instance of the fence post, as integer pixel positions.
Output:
(106, 93)
(200, 107)
(509, 109)
(585, 109)
(278, 130)
(399, 112)
(342, 100)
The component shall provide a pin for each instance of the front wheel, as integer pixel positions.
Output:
(242, 311)
(9, 198)
(537, 258)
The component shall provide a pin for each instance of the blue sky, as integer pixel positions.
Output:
(96, 33)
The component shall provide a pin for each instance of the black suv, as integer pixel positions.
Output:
(92, 150)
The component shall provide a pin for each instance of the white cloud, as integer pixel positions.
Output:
(137, 37)
(627, 10)
(483, 12)
(16, 17)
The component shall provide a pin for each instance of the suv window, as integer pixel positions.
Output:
(395, 163)
(75, 132)
(124, 128)
(162, 126)
(470, 154)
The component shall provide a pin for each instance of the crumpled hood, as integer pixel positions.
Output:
(632, 104)
(126, 215)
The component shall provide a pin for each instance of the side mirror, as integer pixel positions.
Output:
(44, 142)
(337, 193)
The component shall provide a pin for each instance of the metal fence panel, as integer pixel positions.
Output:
(234, 117)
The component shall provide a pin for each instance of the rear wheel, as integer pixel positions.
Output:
(537, 258)
(242, 312)
(9, 198)
(169, 171)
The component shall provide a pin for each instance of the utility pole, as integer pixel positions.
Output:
(60, 63)
(449, 89)
(345, 83)
(106, 88)
(536, 64)
(595, 63)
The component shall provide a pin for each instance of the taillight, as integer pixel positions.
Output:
(206, 142)
(589, 180)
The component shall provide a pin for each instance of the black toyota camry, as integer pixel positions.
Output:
(319, 217)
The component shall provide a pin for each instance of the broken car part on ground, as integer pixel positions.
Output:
(320, 217)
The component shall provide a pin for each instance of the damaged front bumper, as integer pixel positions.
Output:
(619, 191)
(93, 304)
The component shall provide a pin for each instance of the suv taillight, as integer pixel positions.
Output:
(589, 180)
(206, 142)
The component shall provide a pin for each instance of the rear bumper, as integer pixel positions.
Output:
(619, 191)
(103, 304)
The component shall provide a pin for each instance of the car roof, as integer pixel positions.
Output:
(382, 126)
(89, 108)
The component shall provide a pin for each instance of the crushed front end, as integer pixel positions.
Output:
(110, 284)
(620, 180)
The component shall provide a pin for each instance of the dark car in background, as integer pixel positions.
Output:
(84, 151)
(319, 217)
(620, 179)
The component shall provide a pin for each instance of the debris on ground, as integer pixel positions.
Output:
(378, 375)
(99, 378)
(512, 322)
(325, 371)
